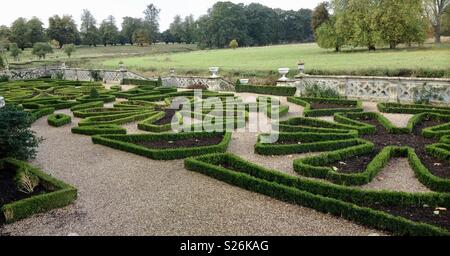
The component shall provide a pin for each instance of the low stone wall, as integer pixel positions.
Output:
(214, 84)
(108, 76)
(393, 89)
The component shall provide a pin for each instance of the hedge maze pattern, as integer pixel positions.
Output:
(350, 152)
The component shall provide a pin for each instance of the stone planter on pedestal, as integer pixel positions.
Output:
(244, 81)
(283, 72)
(214, 72)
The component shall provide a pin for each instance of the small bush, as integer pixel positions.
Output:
(94, 93)
(16, 138)
(314, 90)
(58, 120)
(26, 181)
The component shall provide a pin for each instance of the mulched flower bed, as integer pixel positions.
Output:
(186, 143)
(356, 164)
(9, 192)
(167, 119)
(382, 138)
(326, 105)
(419, 214)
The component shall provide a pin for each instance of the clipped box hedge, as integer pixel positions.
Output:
(58, 120)
(104, 98)
(126, 143)
(338, 200)
(411, 108)
(95, 104)
(310, 112)
(307, 124)
(149, 126)
(268, 90)
(38, 113)
(62, 194)
(306, 142)
(117, 119)
(129, 81)
(99, 130)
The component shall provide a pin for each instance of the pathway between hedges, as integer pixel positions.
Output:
(125, 194)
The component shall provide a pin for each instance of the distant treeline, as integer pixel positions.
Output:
(249, 25)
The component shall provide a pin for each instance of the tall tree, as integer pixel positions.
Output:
(176, 29)
(320, 15)
(129, 26)
(88, 29)
(152, 21)
(400, 21)
(35, 31)
(19, 31)
(445, 27)
(141, 37)
(5, 37)
(63, 29)
(435, 11)
(109, 32)
(189, 29)
(262, 24)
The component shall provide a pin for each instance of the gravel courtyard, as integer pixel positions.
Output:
(125, 194)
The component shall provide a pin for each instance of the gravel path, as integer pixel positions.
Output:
(125, 194)
(397, 176)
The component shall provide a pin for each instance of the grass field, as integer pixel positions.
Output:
(259, 63)
(85, 56)
(258, 60)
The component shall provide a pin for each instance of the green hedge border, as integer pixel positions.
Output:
(149, 126)
(62, 196)
(58, 120)
(80, 107)
(411, 108)
(118, 119)
(104, 98)
(267, 90)
(307, 142)
(324, 197)
(99, 130)
(308, 112)
(125, 143)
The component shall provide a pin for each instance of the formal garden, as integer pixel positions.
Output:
(141, 157)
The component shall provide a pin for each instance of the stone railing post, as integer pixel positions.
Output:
(343, 87)
(393, 91)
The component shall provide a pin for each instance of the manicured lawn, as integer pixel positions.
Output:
(248, 60)
(84, 54)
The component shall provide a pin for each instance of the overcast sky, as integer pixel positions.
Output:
(43, 9)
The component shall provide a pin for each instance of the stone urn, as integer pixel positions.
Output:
(2, 102)
(283, 72)
(244, 81)
(214, 72)
(301, 67)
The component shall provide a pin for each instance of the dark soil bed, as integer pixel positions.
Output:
(357, 164)
(414, 213)
(326, 105)
(9, 192)
(418, 214)
(167, 119)
(186, 143)
(383, 138)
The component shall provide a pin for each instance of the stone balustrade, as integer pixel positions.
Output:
(393, 89)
